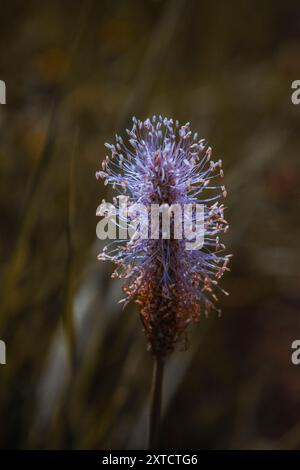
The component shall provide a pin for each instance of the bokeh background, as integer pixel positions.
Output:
(77, 373)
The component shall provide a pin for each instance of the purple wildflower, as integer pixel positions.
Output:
(167, 164)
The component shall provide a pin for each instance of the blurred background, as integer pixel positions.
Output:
(77, 373)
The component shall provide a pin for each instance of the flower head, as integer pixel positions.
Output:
(167, 164)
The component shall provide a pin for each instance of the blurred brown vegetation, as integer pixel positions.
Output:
(77, 373)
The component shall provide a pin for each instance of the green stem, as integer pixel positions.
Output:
(156, 401)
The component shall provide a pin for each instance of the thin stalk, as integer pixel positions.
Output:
(156, 401)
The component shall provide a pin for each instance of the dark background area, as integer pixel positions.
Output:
(77, 372)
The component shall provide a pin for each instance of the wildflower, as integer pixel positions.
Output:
(167, 164)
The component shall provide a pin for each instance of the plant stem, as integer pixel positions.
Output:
(156, 400)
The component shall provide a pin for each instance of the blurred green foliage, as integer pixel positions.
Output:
(77, 373)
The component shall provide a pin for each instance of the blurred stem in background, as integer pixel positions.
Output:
(68, 318)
